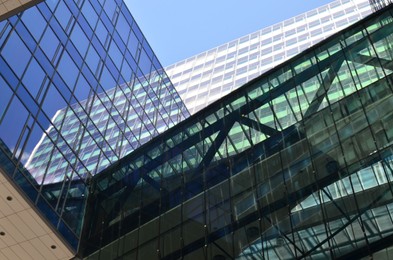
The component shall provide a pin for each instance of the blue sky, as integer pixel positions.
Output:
(178, 29)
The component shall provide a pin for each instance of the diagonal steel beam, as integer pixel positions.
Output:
(247, 108)
(324, 88)
(223, 134)
(373, 247)
(272, 207)
(361, 212)
(372, 61)
(258, 126)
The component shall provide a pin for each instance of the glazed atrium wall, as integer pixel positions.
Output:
(80, 88)
(297, 163)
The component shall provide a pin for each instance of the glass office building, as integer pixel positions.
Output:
(206, 77)
(80, 88)
(297, 163)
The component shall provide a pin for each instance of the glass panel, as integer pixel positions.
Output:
(249, 176)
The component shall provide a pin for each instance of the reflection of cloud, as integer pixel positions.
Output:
(25, 155)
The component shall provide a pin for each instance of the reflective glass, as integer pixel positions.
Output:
(17, 60)
(295, 164)
(69, 107)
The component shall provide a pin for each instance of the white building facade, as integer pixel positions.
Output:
(205, 77)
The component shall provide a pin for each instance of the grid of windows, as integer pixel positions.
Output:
(297, 163)
(80, 88)
(245, 58)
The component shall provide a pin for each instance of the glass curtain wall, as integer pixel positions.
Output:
(80, 88)
(296, 163)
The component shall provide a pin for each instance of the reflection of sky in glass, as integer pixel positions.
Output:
(80, 88)
(58, 65)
